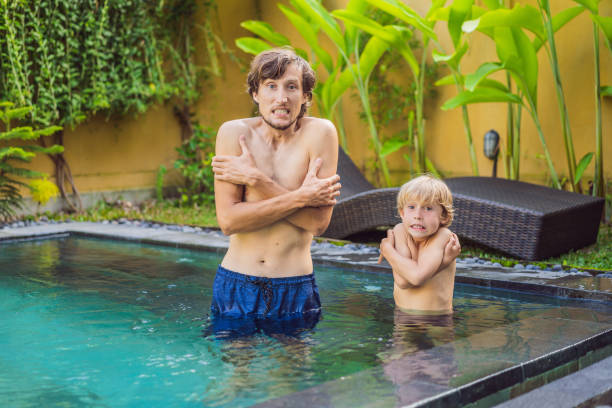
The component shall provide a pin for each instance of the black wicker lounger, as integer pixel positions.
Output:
(524, 220)
(361, 206)
(520, 219)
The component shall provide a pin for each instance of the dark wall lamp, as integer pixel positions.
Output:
(491, 148)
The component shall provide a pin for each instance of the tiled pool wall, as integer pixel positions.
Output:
(512, 378)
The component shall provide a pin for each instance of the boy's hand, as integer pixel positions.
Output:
(386, 245)
(451, 250)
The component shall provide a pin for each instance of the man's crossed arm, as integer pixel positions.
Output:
(308, 207)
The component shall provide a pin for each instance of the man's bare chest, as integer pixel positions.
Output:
(287, 165)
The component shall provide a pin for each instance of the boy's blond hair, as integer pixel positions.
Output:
(427, 189)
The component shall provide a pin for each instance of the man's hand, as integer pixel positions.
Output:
(387, 244)
(239, 170)
(320, 192)
(451, 250)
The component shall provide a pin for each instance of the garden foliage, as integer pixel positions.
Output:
(12, 155)
(195, 156)
(71, 59)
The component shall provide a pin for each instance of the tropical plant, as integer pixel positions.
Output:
(455, 15)
(11, 176)
(605, 25)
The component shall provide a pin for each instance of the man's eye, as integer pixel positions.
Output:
(292, 87)
(271, 86)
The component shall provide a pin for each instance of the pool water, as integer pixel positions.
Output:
(89, 322)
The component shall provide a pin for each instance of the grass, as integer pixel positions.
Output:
(167, 212)
(596, 257)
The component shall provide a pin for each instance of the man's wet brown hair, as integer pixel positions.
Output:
(272, 64)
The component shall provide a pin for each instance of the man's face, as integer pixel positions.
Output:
(281, 99)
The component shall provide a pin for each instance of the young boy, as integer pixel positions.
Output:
(422, 250)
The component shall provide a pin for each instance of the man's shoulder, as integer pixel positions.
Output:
(313, 123)
(319, 130)
(236, 125)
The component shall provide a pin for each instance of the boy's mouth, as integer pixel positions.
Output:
(418, 227)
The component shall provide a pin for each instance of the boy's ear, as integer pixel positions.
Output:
(444, 218)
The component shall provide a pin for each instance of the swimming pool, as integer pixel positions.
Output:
(90, 322)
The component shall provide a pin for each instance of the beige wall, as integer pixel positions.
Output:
(125, 153)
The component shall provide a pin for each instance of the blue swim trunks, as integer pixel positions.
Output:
(237, 295)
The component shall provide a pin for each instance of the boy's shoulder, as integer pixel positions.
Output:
(441, 236)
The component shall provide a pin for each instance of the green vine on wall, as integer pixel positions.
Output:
(70, 60)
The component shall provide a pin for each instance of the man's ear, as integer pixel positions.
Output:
(254, 96)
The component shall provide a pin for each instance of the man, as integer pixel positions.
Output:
(275, 186)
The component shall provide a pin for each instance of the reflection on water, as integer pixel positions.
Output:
(114, 323)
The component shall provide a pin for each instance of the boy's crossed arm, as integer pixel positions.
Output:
(412, 269)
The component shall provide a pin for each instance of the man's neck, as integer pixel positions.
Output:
(275, 136)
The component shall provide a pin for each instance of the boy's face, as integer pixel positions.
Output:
(280, 100)
(421, 220)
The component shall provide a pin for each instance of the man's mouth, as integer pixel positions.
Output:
(281, 111)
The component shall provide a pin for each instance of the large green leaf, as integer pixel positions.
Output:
(252, 45)
(517, 54)
(558, 21)
(520, 16)
(581, 167)
(460, 11)
(366, 24)
(591, 5)
(453, 59)
(606, 90)
(447, 80)
(392, 146)
(494, 4)
(351, 32)
(265, 31)
(480, 95)
(492, 83)
(401, 11)
(605, 23)
(368, 59)
(315, 10)
(395, 36)
(310, 35)
(486, 69)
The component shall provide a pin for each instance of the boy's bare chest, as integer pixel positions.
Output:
(287, 165)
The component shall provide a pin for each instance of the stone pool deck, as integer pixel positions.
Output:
(497, 371)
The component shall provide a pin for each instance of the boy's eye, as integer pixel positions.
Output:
(429, 208)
